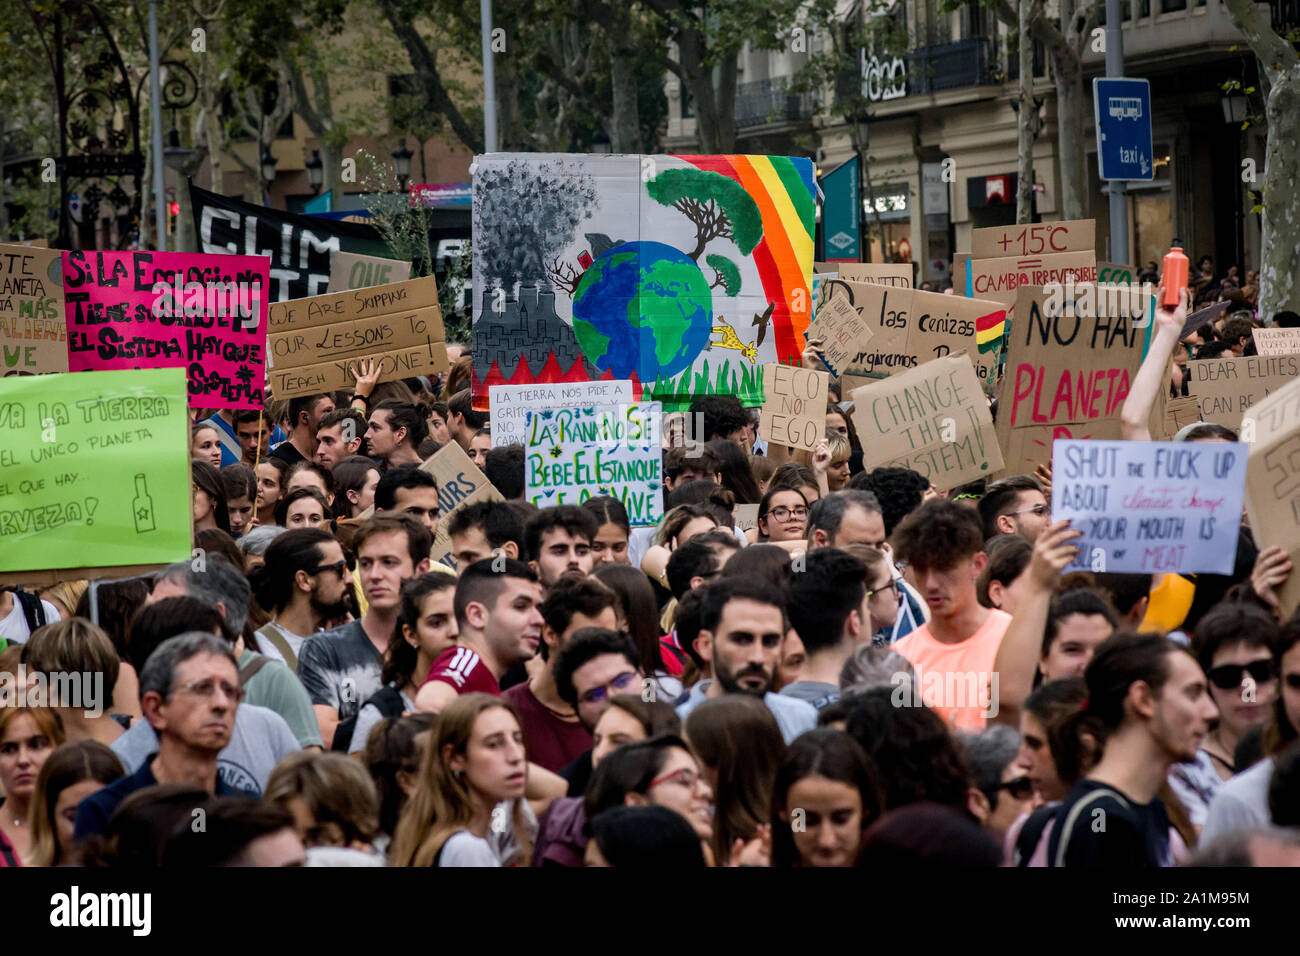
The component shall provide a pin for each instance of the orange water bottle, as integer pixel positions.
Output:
(1173, 276)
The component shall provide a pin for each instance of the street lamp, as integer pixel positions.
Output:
(315, 171)
(402, 163)
(1234, 108)
(175, 155)
(268, 172)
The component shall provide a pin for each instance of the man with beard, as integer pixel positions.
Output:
(558, 543)
(742, 624)
(1148, 702)
(341, 668)
(304, 582)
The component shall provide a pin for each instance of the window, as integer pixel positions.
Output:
(1172, 6)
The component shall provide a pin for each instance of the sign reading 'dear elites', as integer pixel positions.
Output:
(578, 453)
(351, 271)
(205, 314)
(512, 403)
(33, 332)
(684, 274)
(1069, 370)
(94, 474)
(1150, 507)
(316, 342)
(1044, 238)
(1226, 387)
(933, 419)
(794, 413)
(1273, 482)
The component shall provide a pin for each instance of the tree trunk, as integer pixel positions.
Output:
(1279, 289)
(1070, 115)
(625, 120)
(1026, 121)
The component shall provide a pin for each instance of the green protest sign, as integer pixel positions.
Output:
(94, 474)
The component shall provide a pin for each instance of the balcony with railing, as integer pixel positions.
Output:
(950, 66)
(770, 101)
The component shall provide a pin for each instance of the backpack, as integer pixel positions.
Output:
(1066, 825)
(33, 609)
(387, 700)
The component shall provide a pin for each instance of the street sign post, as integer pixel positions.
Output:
(1122, 108)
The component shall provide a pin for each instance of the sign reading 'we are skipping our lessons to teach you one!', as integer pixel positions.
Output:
(1150, 507)
(203, 313)
(94, 474)
(573, 454)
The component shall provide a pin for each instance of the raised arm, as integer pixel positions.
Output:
(1135, 416)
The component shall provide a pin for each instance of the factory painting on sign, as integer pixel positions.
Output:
(682, 274)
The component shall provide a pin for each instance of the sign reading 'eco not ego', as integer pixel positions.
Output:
(573, 454)
(794, 412)
(94, 474)
(203, 313)
(316, 342)
(1148, 507)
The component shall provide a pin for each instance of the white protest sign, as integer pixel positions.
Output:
(1150, 506)
(572, 454)
(510, 404)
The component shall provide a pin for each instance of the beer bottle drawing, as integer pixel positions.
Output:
(142, 506)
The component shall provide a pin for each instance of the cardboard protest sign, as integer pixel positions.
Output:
(460, 483)
(997, 280)
(510, 404)
(896, 274)
(1179, 413)
(352, 271)
(1277, 341)
(316, 342)
(841, 329)
(33, 331)
(1112, 273)
(1150, 507)
(684, 274)
(1226, 387)
(205, 314)
(1273, 482)
(1070, 365)
(1043, 238)
(574, 454)
(745, 516)
(94, 474)
(933, 419)
(794, 412)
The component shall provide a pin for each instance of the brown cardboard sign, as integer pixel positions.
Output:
(745, 517)
(1277, 341)
(1273, 481)
(794, 406)
(1179, 413)
(1113, 273)
(998, 279)
(315, 343)
(1226, 387)
(1038, 239)
(933, 419)
(841, 329)
(898, 275)
(1068, 371)
(33, 330)
(350, 270)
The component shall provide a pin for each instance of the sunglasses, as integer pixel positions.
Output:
(1020, 788)
(1229, 676)
(337, 567)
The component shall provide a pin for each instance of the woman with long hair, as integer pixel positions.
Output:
(782, 515)
(28, 735)
(270, 488)
(734, 472)
(640, 618)
(205, 444)
(740, 747)
(302, 508)
(356, 478)
(610, 544)
(393, 755)
(72, 773)
(475, 763)
(831, 785)
(209, 498)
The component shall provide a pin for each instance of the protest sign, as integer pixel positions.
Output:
(1150, 507)
(352, 271)
(33, 331)
(1179, 413)
(745, 517)
(1043, 238)
(1112, 273)
(1273, 482)
(933, 419)
(510, 404)
(573, 454)
(460, 483)
(205, 314)
(896, 274)
(841, 330)
(316, 342)
(998, 279)
(1226, 387)
(1277, 341)
(1070, 364)
(794, 412)
(94, 475)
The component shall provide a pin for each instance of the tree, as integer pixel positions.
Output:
(717, 205)
(1280, 69)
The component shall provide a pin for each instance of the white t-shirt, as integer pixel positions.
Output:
(265, 646)
(14, 627)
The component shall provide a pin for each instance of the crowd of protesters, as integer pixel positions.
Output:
(878, 672)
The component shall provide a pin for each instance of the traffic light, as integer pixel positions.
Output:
(173, 210)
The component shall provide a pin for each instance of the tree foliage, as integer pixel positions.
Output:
(717, 205)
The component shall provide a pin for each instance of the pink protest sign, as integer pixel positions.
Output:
(203, 313)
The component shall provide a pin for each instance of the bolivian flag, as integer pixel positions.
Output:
(989, 330)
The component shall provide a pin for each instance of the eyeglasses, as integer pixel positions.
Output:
(782, 513)
(1020, 788)
(1039, 510)
(687, 777)
(598, 694)
(207, 688)
(884, 588)
(1229, 676)
(337, 567)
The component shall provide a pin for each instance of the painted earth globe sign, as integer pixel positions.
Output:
(642, 308)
